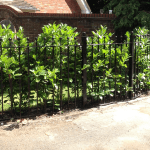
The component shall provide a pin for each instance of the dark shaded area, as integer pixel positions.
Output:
(145, 5)
(96, 5)
(122, 31)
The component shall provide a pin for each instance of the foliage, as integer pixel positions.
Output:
(130, 15)
(142, 60)
(41, 76)
(107, 66)
(100, 64)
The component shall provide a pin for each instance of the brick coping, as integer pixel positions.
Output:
(57, 14)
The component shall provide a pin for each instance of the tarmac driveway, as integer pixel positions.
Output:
(121, 126)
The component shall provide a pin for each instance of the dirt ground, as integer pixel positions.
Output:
(120, 126)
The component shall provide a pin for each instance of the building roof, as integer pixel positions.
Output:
(21, 4)
(49, 6)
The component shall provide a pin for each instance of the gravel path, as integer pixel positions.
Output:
(121, 126)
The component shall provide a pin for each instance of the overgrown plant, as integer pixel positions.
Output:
(99, 62)
(44, 69)
(56, 57)
(58, 37)
(142, 80)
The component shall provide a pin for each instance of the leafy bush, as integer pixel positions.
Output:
(49, 66)
(44, 70)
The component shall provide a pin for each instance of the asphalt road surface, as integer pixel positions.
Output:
(121, 126)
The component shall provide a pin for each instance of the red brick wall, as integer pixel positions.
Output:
(32, 23)
(56, 6)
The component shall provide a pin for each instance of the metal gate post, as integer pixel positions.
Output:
(84, 73)
(131, 61)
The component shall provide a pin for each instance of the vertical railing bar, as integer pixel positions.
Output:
(148, 52)
(144, 67)
(68, 74)
(60, 76)
(142, 70)
(148, 58)
(126, 40)
(77, 85)
(77, 92)
(75, 73)
(36, 82)
(1, 79)
(92, 68)
(140, 67)
(147, 61)
(11, 88)
(28, 80)
(98, 71)
(131, 67)
(104, 73)
(20, 85)
(145, 85)
(109, 67)
(120, 69)
(125, 96)
(84, 73)
(53, 68)
(135, 69)
(115, 73)
(45, 100)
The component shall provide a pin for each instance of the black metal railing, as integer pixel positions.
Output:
(73, 90)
